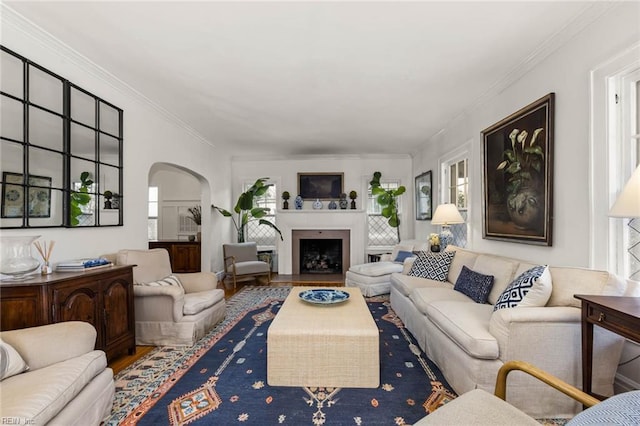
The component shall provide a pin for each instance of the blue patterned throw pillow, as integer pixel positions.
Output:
(402, 255)
(531, 288)
(473, 284)
(434, 266)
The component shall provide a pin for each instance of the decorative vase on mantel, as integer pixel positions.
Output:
(299, 202)
(317, 204)
(343, 201)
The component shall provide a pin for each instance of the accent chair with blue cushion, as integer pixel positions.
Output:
(171, 309)
(374, 278)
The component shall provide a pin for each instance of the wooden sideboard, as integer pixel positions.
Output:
(102, 297)
(184, 255)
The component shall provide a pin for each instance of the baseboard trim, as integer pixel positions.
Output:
(624, 384)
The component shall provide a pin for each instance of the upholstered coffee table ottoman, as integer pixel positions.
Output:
(334, 345)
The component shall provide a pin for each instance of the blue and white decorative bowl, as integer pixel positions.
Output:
(324, 296)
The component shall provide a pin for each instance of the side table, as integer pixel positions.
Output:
(620, 315)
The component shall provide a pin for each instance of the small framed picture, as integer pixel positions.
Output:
(423, 196)
(39, 190)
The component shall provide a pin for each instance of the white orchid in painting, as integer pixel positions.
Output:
(521, 161)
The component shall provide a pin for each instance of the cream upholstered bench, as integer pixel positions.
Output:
(374, 278)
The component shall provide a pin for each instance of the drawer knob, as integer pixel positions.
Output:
(601, 317)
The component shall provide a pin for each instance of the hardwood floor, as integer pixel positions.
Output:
(334, 280)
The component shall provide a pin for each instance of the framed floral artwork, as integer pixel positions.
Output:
(423, 196)
(518, 175)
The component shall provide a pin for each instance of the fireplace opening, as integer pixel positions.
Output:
(321, 256)
(320, 251)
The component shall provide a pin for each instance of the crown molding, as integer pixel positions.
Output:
(11, 18)
(588, 16)
(327, 157)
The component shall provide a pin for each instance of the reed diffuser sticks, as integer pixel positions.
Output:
(45, 252)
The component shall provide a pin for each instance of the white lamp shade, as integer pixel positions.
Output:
(628, 202)
(446, 214)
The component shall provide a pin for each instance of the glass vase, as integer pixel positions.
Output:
(15, 257)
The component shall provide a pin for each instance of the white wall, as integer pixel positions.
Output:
(150, 136)
(358, 171)
(565, 72)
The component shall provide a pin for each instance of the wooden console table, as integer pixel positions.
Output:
(620, 315)
(102, 297)
(184, 255)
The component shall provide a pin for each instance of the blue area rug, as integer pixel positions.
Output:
(222, 379)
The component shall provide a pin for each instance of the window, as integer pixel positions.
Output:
(380, 233)
(152, 225)
(615, 146)
(455, 190)
(626, 118)
(264, 236)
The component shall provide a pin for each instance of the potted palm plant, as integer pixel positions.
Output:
(246, 211)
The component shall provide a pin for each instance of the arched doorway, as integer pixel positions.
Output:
(178, 190)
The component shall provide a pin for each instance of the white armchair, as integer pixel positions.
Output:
(169, 311)
(374, 278)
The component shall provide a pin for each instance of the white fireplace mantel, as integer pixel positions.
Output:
(353, 220)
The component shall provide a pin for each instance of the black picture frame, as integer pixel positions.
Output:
(424, 193)
(320, 186)
(518, 175)
(39, 190)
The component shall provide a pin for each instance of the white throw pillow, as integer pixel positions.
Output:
(11, 363)
(531, 288)
(171, 280)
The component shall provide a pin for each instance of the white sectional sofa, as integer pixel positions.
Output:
(470, 342)
(66, 381)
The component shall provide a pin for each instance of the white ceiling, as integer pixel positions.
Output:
(298, 78)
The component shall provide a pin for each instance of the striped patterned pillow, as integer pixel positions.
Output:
(170, 280)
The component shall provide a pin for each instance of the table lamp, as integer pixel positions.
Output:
(445, 215)
(628, 202)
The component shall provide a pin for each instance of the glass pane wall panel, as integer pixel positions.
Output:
(45, 129)
(11, 155)
(12, 75)
(47, 206)
(109, 179)
(109, 150)
(47, 164)
(83, 108)
(11, 119)
(83, 142)
(45, 90)
(109, 119)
